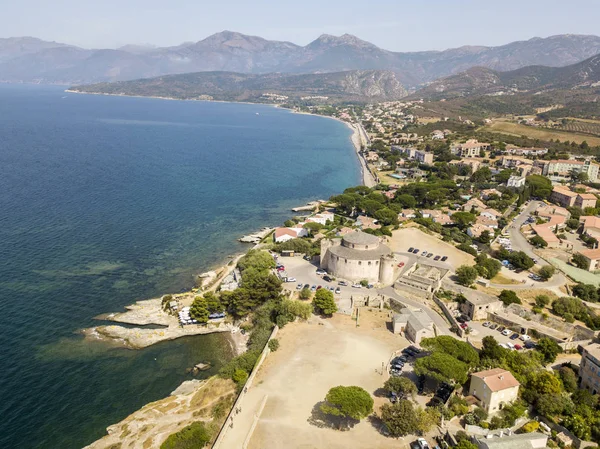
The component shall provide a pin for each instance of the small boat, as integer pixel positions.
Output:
(257, 113)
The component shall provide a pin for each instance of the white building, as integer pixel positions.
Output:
(494, 388)
(415, 324)
(516, 181)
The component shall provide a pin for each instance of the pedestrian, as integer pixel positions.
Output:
(245, 389)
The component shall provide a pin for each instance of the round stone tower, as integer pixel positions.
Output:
(386, 269)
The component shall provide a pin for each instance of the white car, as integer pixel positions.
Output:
(291, 280)
(525, 338)
(422, 443)
(356, 285)
(510, 345)
(506, 332)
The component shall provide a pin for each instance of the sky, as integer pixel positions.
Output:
(398, 25)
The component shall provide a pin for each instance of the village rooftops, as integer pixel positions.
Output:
(564, 191)
(497, 379)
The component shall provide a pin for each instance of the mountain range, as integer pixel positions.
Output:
(26, 59)
(350, 86)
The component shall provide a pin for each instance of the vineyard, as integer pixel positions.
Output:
(576, 126)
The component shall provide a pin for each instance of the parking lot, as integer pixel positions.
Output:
(479, 331)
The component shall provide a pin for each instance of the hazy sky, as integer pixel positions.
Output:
(400, 25)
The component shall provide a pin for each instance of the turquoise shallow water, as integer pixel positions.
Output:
(106, 200)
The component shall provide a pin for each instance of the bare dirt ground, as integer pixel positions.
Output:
(403, 239)
(313, 357)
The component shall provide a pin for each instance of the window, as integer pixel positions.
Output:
(367, 247)
(369, 262)
(359, 262)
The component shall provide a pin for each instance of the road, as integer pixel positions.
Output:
(520, 243)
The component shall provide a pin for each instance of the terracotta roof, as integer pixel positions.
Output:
(591, 253)
(497, 379)
(544, 232)
(590, 221)
(564, 191)
(588, 196)
(279, 232)
(565, 161)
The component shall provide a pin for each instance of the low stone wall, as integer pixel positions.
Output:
(242, 395)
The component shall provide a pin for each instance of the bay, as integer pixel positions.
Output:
(107, 200)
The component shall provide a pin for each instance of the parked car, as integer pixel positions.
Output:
(338, 291)
(464, 325)
(501, 328)
(444, 259)
(493, 326)
(510, 345)
(410, 250)
(370, 286)
(416, 251)
(530, 345)
(518, 347)
(422, 443)
(326, 278)
(401, 264)
(320, 271)
(486, 324)
(319, 287)
(414, 445)
(424, 253)
(514, 336)
(524, 338)
(299, 287)
(343, 283)
(506, 332)
(313, 288)
(436, 258)
(280, 269)
(356, 285)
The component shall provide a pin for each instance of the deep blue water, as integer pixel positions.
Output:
(106, 200)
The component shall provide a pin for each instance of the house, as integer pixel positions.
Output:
(584, 200)
(494, 388)
(390, 193)
(533, 440)
(372, 156)
(344, 231)
(437, 135)
(475, 164)
(516, 181)
(476, 230)
(487, 193)
(512, 149)
(475, 203)
(321, 218)
(470, 148)
(284, 234)
(477, 305)
(490, 213)
(487, 222)
(513, 161)
(408, 213)
(589, 368)
(443, 219)
(415, 324)
(547, 234)
(364, 222)
(592, 257)
(416, 155)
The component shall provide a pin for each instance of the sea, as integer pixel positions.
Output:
(108, 200)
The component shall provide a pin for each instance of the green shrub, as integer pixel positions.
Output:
(194, 436)
(273, 345)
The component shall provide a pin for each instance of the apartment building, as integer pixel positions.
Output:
(589, 368)
(470, 148)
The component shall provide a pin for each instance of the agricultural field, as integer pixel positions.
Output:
(516, 129)
(582, 127)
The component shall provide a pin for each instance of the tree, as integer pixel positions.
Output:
(213, 303)
(324, 303)
(542, 300)
(572, 223)
(400, 418)
(491, 350)
(386, 217)
(466, 275)
(194, 436)
(305, 293)
(549, 349)
(547, 271)
(460, 350)
(521, 260)
(240, 376)
(580, 261)
(465, 444)
(467, 248)
(586, 292)
(427, 418)
(539, 186)
(406, 201)
(273, 345)
(568, 378)
(486, 267)
(199, 310)
(463, 219)
(442, 368)
(538, 241)
(348, 403)
(485, 237)
(509, 297)
(401, 386)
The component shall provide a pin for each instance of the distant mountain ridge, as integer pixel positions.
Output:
(352, 86)
(532, 80)
(34, 60)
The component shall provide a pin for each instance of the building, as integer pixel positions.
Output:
(589, 368)
(592, 257)
(516, 181)
(415, 324)
(487, 222)
(477, 306)
(321, 218)
(475, 164)
(372, 156)
(475, 230)
(357, 256)
(421, 156)
(364, 222)
(487, 193)
(563, 196)
(563, 169)
(584, 200)
(494, 388)
(284, 234)
(474, 203)
(470, 148)
(423, 278)
(512, 149)
(591, 226)
(490, 213)
(533, 440)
